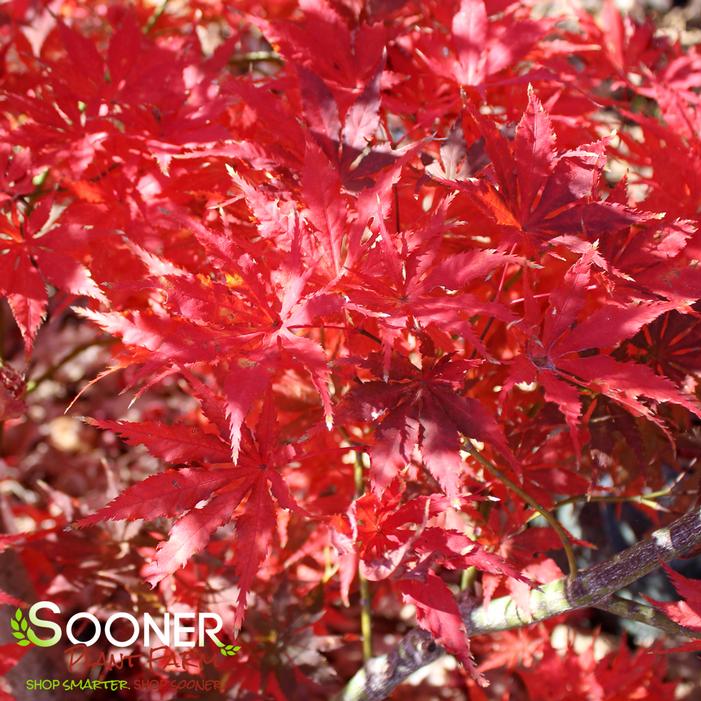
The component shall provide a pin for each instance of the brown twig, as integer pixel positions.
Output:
(74, 353)
(595, 586)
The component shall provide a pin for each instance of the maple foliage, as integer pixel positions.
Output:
(686, 611)
(320, 313)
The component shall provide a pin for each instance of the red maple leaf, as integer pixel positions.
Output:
(533, 189)
(424, 409)
(205, 498)
(31, 258)
(556, 355)
(687, 612)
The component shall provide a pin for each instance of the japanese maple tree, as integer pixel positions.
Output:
(373, 326)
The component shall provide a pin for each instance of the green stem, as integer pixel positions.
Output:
(467, 578)
(156, 16)
(365, 607)
(365, 617)
(647, 499)
(552, 521)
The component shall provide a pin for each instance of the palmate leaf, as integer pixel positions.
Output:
(167, 494)
(423, 410)
(173, 444)
(335, 271)
(203, 499)
(190, 535)
(254, 532)
(34, 258)
(539, 192)
(556, 357)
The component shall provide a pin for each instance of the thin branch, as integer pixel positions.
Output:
(637, 611)
(365, 608)
(52, 369)
(552, 521)
(256, 57)
(156, 16)
(646, 499)
(591, 587)
(468, 577)
(369, 335)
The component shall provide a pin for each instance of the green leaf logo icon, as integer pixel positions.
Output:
(20, 628)
(228, 650)
(25, 634)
